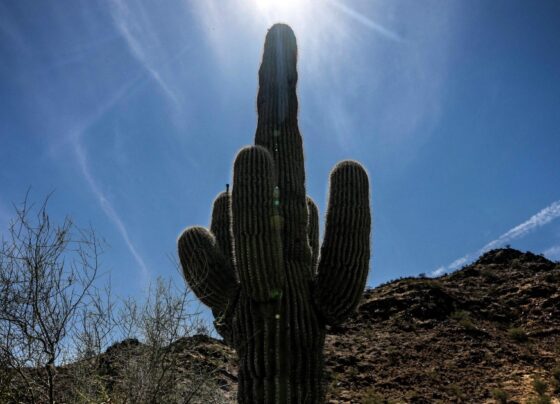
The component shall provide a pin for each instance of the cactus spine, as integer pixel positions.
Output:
(259, 268)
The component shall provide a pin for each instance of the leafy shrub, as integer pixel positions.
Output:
(456, 391)
(540, 400)
(370, 396)
(556, 379)
(539, 386)
(464, 319)
(556, 373)
(500, 396)
(518, 334)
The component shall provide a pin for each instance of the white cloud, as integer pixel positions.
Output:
(439, 271)
(459, 262)
(552, 253)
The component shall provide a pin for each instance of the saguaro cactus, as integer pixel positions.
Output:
(259, 268)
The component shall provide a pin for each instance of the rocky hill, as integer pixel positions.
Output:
(487, 333)
(484, 332)
(481, 334)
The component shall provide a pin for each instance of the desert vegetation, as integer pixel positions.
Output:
(66, 338)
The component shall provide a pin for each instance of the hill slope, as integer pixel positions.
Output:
(492, 325)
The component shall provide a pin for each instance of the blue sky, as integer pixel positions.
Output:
(132, 112)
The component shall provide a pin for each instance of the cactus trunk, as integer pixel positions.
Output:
(259, 268)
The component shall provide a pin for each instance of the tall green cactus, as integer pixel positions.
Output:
(259, 267)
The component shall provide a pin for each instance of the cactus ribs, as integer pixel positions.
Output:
(259, 268)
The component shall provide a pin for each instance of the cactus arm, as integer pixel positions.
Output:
(265, 242)
(258, 245)
(277, 131)
(344, 261)
(205, 268)
(313, 232)
(221, 226)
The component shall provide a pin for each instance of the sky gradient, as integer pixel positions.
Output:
(132, 113)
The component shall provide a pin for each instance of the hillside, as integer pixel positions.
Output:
(494, 324)
(490, 328)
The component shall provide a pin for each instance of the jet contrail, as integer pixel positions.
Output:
(366, 21)
(543, 217)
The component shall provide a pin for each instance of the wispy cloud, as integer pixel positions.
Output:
(107, 207)
(439, 271)
(76, 138)
(545, 216)
(552, 253)
(73, 138)
(459, 262)
(136, 36)
(536, 221)
(368, 22)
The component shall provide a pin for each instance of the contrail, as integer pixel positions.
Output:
(120, 13)
(543, 217)
(366, 21)
(107, 207)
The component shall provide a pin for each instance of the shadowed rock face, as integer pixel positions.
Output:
(258, 268)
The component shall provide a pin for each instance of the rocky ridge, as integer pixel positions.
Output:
(482, 334)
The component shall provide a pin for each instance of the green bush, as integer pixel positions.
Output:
(518, 334)
(539, 386)
(540, 400)
(370, 396)
(464, 319)
(456, 391)
(500, 396)
(556, 379)
(556, 374)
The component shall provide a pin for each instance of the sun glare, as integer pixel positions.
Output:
(296, 13)
(279, 6)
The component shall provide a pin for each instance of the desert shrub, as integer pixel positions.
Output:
(459, 315)
(48, 272)
(518, 334)
(456, 391)
(488, 275)
(370, 396)
(556, 379)
(56, 323)
(539, 386)
(500, 396)
(540, 400)
(463, 318)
